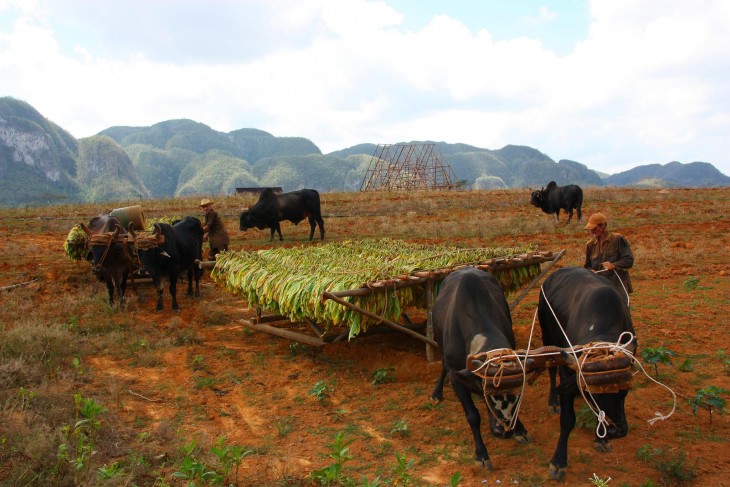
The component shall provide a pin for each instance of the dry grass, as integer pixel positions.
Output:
(55, 332)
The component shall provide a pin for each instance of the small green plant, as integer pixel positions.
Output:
(400, 428)
(376, 482)
(709, 397)
(285, 425)
(110, 472)
(401, 470)
(194, 470)
(598, 481)
(79, 445)
(25, 396)
(382, 375)
(229, 456)
(340, 454)
(655, 356)
(686, 366)
(585, 418)
(297, 348)
(198, 362)
(321, 390)
(672, 466)
(691, 283)
(455, 479)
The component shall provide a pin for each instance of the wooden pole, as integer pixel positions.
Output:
(429, 320)
(536, 280)
(388, 323)
(292, 335)
(205, 264)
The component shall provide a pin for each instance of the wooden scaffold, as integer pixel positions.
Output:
(408, 167)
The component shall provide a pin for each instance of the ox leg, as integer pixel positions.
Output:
(122, 289)
(559, 461)
(438, 391)
(159, 299)
(312, 225)
(190, 283)
(173, 291)
(110, 288)
(278, 230)
(580, 213)
(474, 420)
(570, 215)
(320, 222)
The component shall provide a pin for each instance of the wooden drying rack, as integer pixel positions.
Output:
(424, 279)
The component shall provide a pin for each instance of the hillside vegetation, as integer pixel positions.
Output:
(42, 164)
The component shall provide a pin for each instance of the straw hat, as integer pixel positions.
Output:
(206, 202)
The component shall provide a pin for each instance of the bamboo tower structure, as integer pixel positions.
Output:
(408, 167)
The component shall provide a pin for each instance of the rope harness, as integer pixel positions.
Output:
(602, 367)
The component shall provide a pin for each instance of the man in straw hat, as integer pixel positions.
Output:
(214, 230)
(608, 253)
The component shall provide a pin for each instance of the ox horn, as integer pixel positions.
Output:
(85, 229)
(569, 358)
(116, 231)
(158, 231)
(131, 230)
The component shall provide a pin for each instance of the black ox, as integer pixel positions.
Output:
(273, 208)
(111, 257)
(552, 198)
(173, 251)
(471, 316)
(588, 308)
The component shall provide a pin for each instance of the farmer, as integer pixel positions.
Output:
(608, 253)
(213, 229)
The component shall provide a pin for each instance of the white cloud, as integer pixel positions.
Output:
(648, 84)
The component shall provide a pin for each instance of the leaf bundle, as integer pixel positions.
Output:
(290, 281)
(76, 243)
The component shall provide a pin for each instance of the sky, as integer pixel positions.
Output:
(612, 84)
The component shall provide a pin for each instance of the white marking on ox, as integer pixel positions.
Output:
(478, 344)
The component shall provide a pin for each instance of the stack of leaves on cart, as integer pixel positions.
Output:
(290, 281)
(76, 243)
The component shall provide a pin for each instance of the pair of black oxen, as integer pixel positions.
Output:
(117, 252)
(472, 322)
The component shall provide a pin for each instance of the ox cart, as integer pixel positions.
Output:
(318, 295)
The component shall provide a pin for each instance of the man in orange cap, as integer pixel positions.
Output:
(214, 230)
(608, 253)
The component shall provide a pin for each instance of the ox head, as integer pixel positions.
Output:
(244, 220)
(502, 404)
(247, 220)
(103, 232)
(612, 403)
(536, 197)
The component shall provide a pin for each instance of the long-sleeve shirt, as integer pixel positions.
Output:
(217, 235)
(616, 250)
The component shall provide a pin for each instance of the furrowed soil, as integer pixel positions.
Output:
(168, 379)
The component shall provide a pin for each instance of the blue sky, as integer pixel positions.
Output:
(609, 83)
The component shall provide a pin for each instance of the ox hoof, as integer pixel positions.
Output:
(603, 446)
(159, 308)
(524, 438)
(557, 473)
(553, 409)
(485, 464)
(436, 399)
